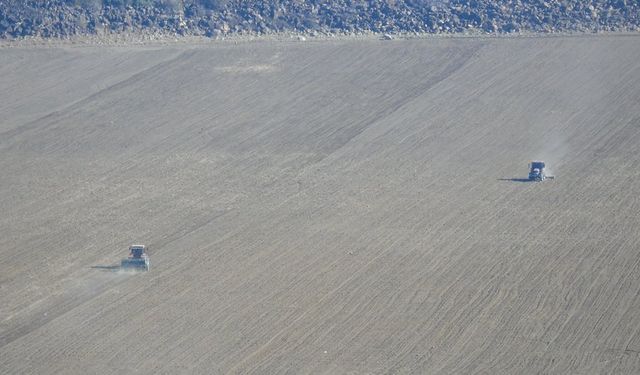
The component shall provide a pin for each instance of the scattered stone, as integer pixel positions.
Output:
(215, 19)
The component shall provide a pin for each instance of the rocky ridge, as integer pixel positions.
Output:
(217, 18)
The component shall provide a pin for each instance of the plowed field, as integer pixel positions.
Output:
(348, 206)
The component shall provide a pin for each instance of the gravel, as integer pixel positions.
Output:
(216, 19)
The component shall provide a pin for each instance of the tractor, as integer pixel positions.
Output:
(138, 259)
(537, 172)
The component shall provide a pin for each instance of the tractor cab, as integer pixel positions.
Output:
(136, 251)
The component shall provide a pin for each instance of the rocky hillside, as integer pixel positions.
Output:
(63, 18)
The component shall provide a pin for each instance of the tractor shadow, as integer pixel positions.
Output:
(515, 179)
(107, 268)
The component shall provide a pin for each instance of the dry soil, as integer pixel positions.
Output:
(347, 206)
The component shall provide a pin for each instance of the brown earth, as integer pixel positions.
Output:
(322, 207)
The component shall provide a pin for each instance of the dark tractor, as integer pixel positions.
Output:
(138, 259)
(537, 172)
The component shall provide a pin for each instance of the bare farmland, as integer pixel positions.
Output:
(322, 207)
